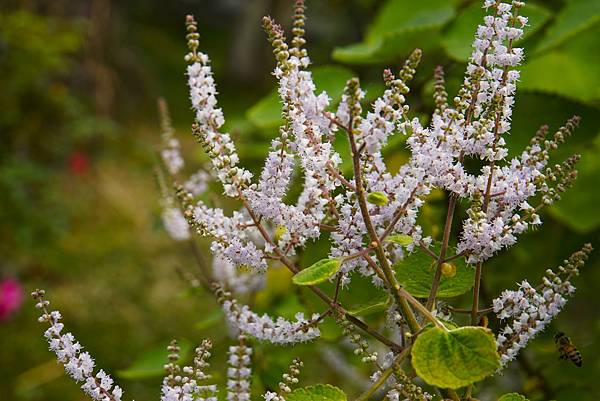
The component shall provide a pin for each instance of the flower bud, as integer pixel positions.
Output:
(378, 198)
(448, 270)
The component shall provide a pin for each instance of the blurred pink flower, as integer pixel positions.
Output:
(79, 163)
(11, 296)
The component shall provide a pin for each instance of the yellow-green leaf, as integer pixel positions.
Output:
(400, 239)
(319, 392)
(455, 358)
(318, 272)
(378, 198)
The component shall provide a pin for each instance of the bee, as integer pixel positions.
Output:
(567, 350)
(483, 321)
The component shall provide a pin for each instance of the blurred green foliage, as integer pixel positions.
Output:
(79, 211)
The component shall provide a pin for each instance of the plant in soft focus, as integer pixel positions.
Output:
(370, 220)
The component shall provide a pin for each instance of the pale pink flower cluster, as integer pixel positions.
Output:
(238, 281)
(175, 224)
(78, 365)
(263, 327)
(209, 118)
(528, 310)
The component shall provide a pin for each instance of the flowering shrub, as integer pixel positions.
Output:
(370, 219)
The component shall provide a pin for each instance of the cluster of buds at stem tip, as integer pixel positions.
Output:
(291, 377)
(187, 383)
(239, 372)
(405, 389)
(361, 344)
(193, 38)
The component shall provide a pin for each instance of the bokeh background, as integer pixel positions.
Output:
(80, 210)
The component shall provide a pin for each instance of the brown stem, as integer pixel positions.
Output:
(445, 239)
(476, 289)
(391, 282)
(453, 257)
(397, 215)
(317, 291)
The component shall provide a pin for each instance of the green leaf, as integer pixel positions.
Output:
(400, 239)
(210, 320)
(266, 113)
(577, 207)
(576, 16)
(362, 298)
(458, 38)
(318, 272)
(399, 27)
(513, 397)
(319, 392)
(455, 358)
(151, 363)
(378, 198)
(415, 273)
(571, 71)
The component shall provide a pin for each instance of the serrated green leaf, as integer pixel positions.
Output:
(151, 363)
(576, 16)
(513, 397)
(319, 392)
(455, 358)
(415, 273)
(571, 71)
(400, 239)
(399, 27)
(266, 113)
(459, 36)
(400, 15)
(318, 272)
